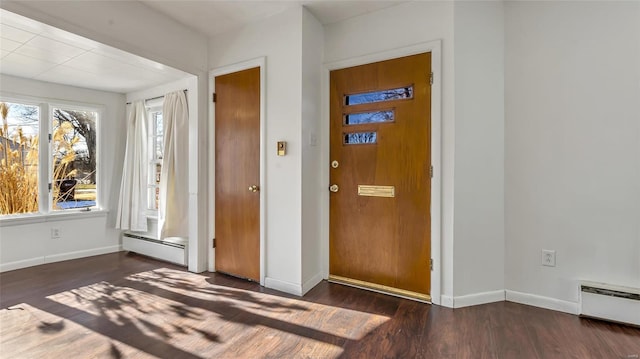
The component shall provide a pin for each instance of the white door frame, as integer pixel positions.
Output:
(435, 48)
(261, 63)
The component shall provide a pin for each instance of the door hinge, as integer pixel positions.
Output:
(214, 243)
(431, 78)
(213, 97)
(431, 171)
(49, 187)
(49, 137)
(431, 263)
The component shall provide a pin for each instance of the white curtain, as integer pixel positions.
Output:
(173, 220)
(133, 189)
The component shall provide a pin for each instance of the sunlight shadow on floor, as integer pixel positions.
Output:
(171, 312)
(24, 328)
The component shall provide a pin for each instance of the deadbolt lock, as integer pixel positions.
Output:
(335, 164)
(334, 188)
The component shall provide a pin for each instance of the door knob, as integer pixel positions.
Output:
(334, 188)
(253, 188)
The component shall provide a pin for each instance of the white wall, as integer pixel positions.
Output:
(572, 146)
(479, 150)
(24, 243)
(279, 39)
(401, 26)
(136, 28)
(312, 190)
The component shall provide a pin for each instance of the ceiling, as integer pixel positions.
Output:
(34, 50)
(219, 16)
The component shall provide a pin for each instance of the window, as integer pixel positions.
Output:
(156, 136)
(19, 170)
(73, 149)
(66, 159)
(379, 96)
(369, 117)
(360, 138)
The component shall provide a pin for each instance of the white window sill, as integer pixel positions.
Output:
(22, 219)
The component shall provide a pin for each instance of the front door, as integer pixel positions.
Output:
(237, 166)
(380, 176)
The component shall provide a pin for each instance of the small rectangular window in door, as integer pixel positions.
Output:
(360, 138)
(369, 117)
(379, 96)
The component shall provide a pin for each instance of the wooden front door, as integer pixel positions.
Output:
(380, 175)
(237, 179)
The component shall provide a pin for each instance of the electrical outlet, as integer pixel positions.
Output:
(548, 258)
(55, 233)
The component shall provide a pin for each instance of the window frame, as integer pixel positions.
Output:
(45, 150)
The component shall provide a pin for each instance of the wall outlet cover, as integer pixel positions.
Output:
(548, 258)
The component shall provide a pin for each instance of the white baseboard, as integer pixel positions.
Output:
(542, 302)
(5, 267)
(446, 301)
(479, 298)
(283, 286)
(312, 282)
(81, 254)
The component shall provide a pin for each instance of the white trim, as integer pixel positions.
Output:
(69, 215)
(312, 282)
(81, 254)
(446, 301)
(58, 257)
(283, 286)
(260, 62)
(5, 267)
(435, 47)
(542, 302)
(479, 298)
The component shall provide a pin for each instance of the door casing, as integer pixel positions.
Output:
(261, 63)
(434, 47)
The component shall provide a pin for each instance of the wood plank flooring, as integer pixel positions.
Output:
(128, 306)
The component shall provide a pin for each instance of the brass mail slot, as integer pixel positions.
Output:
(376, 191)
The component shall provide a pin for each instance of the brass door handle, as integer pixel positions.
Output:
(334, 188)
(253, 188)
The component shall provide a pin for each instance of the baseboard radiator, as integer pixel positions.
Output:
(173, 249)
(610, 302)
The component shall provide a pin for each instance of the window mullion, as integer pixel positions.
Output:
(44, 178)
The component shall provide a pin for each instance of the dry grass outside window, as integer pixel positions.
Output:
(18, 169)
(19, 166)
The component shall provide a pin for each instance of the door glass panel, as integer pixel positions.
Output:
(369, 117)
(360, 138)
(379, 96)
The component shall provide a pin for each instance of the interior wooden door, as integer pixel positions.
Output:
(237, 179)
(380, 176)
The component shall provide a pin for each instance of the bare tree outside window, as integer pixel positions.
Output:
(74, 158)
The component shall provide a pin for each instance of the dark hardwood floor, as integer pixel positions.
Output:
(128, 306)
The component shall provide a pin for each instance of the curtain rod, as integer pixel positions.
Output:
(155, 98)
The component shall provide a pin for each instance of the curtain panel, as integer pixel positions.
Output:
(173, 220)
(132, 203)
